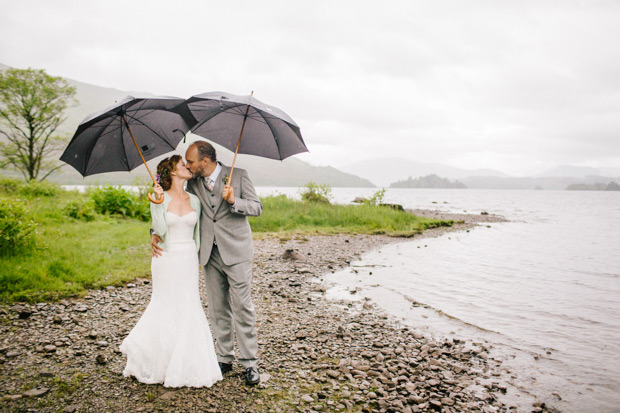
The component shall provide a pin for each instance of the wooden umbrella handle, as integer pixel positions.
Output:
(150, 196)
(154, 200)
(232, 168)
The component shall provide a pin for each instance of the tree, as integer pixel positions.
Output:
(31, 109)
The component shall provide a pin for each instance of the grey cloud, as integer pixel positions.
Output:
(479, 84)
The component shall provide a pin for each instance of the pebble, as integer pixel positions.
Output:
(169, 395)
(37, 392)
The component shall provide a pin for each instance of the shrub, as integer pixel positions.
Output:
(111, 200)
(141, 208)
(40, 188)
(80, 209)
(10, 185)
(312, 192)
(118, 201)
(377, 197)
(16, 228)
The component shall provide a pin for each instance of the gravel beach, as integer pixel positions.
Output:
(316, 354)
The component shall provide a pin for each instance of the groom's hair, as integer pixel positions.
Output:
(205, 150)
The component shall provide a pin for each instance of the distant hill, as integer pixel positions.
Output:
(264, 172)
(428, 181)
(391, 170)
(570, 171)
(388, 170)
(555, 183)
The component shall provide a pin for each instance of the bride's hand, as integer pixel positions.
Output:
(157, 250)
(158, 190)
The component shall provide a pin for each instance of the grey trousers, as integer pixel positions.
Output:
(229, 298)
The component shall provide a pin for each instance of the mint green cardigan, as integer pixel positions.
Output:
(160, 226)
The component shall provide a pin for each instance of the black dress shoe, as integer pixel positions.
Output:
(225, 367)
(252, 377)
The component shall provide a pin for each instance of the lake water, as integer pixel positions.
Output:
(543, 289)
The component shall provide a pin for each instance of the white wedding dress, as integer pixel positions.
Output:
(172, 342)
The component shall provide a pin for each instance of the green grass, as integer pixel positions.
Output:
(71, 256)
(284, 216)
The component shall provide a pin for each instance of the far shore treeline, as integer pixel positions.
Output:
(56, 243)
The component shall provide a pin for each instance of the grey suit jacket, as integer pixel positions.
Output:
(224, 224)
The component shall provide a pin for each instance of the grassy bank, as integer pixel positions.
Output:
(70, 255)
(283, 216)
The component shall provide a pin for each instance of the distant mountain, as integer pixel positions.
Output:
(610, 171)
(388, 170)
(391, 170)
(571, 171)
(548, 182)
(264, 172)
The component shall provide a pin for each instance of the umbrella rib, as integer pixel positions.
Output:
(92, 148)
(241, 112)
(235, 109)
(163, 138)
(123, 141)
(272, 132)
(231, 108)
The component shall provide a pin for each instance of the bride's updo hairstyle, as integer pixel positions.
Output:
(164, 170)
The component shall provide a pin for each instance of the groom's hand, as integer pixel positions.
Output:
(229, 194)
(157, 250)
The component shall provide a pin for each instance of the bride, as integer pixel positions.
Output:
(172, 342)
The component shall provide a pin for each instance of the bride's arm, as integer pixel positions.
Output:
(158, 221)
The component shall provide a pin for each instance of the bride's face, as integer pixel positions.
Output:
(181, 171)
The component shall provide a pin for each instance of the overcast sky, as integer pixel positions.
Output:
(518, 86)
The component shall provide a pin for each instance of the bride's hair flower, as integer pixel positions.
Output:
(158, 178)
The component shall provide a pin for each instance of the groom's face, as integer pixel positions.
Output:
(193, 162)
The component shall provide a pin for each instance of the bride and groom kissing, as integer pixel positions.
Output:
(203, 224)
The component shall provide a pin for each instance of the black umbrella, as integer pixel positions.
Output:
(225, 118)
(105, 140)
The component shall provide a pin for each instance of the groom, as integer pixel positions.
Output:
(226, 253)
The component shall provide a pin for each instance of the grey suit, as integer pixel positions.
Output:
(226, 251)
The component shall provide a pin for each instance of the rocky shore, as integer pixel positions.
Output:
(316, 355)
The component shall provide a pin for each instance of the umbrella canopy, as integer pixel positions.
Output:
(123, 136)
(267, 131)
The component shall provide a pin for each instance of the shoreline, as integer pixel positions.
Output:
(315, 354)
